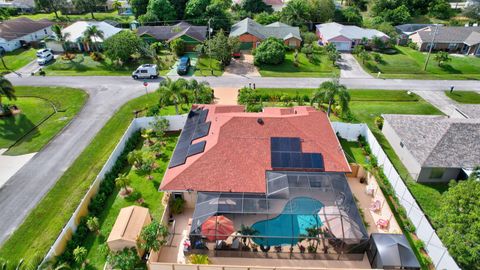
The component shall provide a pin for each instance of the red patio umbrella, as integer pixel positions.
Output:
(217, 228)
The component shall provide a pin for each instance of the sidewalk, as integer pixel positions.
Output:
(9, 165)
(450, 107)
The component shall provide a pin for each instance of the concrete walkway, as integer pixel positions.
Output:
(9, 165)
(450, 107)
(226, 95)
(350, 68)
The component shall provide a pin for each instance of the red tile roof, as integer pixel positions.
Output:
(237, 151)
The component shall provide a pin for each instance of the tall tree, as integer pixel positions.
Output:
(220, 18)
(179, 6)
(7, 90)
(459, 217)
(88, 6)
(255, 6)
(92, 35)
(49, 6)
(122, 181)
(330, 91)
(162, 9)
(139, 7)
(220, 48)
(296, 12)
(321, 10)
(122, 45)
(195, 10)
(153, 236)
(472, 11)
(173, 92)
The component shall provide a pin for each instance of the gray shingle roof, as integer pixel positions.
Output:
(451, 34)
(439, 141)
(170, 32)
(16, 28)
(277, 29)
(410, 27)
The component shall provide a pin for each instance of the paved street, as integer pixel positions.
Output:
(23, 191)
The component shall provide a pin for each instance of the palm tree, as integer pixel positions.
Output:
(122, 181)
(59, 36)
(328, 91)
(92, 32)
(247, 232)
(199, 89)
(173, 92)
(7, 90)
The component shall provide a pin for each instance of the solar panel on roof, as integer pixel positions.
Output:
(194, 128)
(286, 153)
(196, 148)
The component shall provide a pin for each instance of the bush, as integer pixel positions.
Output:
(178, 47)
(271, 51)
(177, 205)
(412, 45)
(68, 56)
(379, 122)
(96, 56)
(122, 45)
(377, 57)
(198, 259)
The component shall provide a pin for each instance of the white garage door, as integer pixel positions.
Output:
(342, 46)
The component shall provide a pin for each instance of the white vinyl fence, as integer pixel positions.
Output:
(424, 230)
(176, 123)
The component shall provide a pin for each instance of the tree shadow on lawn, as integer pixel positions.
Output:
(449, 69)
(14, 127)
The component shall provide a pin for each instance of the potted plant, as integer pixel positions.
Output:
(177, 205)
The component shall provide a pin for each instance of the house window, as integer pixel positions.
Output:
(292, 43)
(437, 173)
(452, 46)
(177, 195)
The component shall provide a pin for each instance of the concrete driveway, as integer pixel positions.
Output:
(242, 67)
(350, 68)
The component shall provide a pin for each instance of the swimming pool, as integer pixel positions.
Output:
(298, 214)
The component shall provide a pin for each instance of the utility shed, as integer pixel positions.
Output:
(391, 251)
(127, 228)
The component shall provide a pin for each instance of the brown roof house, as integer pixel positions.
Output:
(191, 34)
(127, 228)
(434, 148)
(455, 39)
(252, 33)
(14, 33)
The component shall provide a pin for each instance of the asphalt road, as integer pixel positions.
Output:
(106, 94)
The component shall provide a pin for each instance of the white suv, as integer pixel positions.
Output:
(146, 71)
(45, 58)
(42, 52)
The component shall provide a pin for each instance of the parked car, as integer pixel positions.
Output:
(145, 71)
(42, 52)
(184, 65)
(237, 54)
(45, 58)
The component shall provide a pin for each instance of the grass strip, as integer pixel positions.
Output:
(466, 97)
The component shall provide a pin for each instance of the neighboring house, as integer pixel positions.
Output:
(252, 33)
(345, 37)
(405, 30)
(191, 34)
(25, 6)
(74, 32)
(434, 148)
(277, 5)
(17, 32)
(454, 39)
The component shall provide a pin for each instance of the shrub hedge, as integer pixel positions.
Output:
(96, 205)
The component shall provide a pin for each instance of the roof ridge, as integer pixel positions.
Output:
(437, 142)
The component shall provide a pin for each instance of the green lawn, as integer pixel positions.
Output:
(322, 68)
(353, 152)
(149, 192)
(205, 65)
(28, 240)
(408, 63)
(17, 59)
(36, 103)
(99, 16)
(467, 97)
(83, 65)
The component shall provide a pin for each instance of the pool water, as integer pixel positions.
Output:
(298, 215)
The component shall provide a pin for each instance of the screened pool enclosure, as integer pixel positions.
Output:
(302, 215)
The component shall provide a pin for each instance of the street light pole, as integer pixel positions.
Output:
(210, 46)
(431, 47)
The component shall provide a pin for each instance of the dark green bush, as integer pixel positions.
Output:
(271, 52)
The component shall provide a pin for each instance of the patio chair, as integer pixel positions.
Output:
(376, 206)
(383, 223)
(235, 243)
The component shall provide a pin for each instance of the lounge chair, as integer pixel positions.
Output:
(376, 206)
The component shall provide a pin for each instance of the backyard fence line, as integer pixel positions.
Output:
(176, 123)
(423, 229)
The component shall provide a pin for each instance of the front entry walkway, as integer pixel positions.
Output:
(350, 68)
(226, 95)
